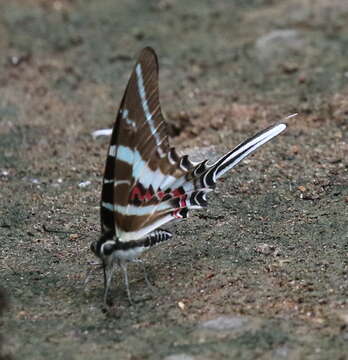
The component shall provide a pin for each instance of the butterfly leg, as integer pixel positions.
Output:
(92, 266)
(123, 266)
(108, 271)
(148, 283)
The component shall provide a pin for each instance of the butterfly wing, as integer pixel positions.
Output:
(146, 184)
(139, 158)
(177, 195)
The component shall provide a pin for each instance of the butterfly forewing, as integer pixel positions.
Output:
(139, 160)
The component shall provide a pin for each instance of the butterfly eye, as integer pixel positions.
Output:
(108, 248)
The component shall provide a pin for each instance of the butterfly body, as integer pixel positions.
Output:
(146, 183)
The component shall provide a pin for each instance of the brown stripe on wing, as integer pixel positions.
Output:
(169, 166)
(123, 180)
(152, 140)
(147, 75)
(136, 130)
(133, 223)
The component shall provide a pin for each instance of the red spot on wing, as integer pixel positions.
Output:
(161, 195)
(183, 201)
(139, 193)
(136, 193)
(148, 195)
(178, 192)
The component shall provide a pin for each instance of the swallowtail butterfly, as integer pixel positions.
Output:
(146, 183)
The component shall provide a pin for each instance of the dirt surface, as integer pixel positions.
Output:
(263, 272)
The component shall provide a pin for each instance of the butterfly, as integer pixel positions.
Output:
(146, 184)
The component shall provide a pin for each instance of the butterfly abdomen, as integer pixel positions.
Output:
(154, 238)
(157, 237)
(131, 250)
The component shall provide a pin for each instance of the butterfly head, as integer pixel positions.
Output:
(104, 249)
(105, 246)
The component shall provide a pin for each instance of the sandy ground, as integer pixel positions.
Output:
(263, 272)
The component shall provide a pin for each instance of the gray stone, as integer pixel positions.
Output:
(281, 352)
(278, 44)
(225, 323)
(179, 357)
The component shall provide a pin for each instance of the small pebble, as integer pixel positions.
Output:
(179, 357)
(101, 132)
(181, 305)
(84, 184)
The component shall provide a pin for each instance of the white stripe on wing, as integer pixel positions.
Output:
(140, 168)
(148, 115)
